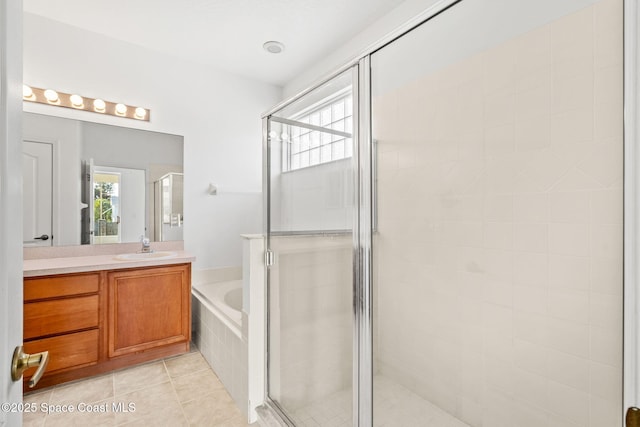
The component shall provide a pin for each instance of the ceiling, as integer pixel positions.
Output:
(226, 34)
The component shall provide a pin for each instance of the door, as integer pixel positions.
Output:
(106, 207)
(10, 202)
(310, 232)
(88, 211)
(37, 193)
(119, 204)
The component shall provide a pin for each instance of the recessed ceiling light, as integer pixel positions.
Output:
(273, 46)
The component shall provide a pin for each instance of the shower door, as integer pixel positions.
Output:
(310, 236)
(498, 242)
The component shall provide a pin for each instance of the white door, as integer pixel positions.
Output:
(10, 202)
(132, 204)
(37, 193)
(128, 201)
(88, 222)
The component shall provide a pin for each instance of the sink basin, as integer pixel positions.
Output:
(139, 256)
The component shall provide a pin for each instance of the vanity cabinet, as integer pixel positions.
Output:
(104, 320)
(148, 308)
(62, 315)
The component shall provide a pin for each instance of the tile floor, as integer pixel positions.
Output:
(177, 391)
(184, 391)
(394, 406)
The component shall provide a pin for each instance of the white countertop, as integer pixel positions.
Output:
(79, 264)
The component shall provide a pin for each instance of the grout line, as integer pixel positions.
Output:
(175, 393)
(114, 395)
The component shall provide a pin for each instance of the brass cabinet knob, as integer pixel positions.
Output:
(22, 361)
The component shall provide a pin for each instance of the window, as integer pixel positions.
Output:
(320, 134)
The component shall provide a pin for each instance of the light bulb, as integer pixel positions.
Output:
(273, 134)
(76, 101)
(27, 92)
(284, 136)
(51, 95)
(99, 105)
(121, 109)
(141, 113)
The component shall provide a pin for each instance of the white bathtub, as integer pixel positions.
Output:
(224, 300)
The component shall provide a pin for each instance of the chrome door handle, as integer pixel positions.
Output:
(22, 361)
(43, 237)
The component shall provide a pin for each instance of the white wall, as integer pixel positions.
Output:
(217, 113)
(405, 12)
(356, 45)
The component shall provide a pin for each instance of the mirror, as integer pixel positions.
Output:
(87, 182)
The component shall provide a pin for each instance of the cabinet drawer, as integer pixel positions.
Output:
(60, 286)
(66, 351)
(59, 316)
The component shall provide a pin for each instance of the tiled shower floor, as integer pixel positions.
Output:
(177, 391)
(395, 406)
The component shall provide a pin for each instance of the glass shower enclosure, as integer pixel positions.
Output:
(310, 216)
(459, 261)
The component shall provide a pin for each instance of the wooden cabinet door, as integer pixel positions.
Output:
(148, 308)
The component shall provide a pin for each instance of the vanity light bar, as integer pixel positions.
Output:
(77, 102)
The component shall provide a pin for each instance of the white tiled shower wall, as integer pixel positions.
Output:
(499, 245)
(311, 336)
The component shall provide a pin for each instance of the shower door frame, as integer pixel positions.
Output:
(362, 165)
(631, 223)
(364, 200)
(361, 249)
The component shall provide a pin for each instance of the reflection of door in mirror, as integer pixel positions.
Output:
(106, 208)
(117, 200)
(37, 186)
(168, 207)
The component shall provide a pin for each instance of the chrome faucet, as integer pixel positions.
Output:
(146, 244)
